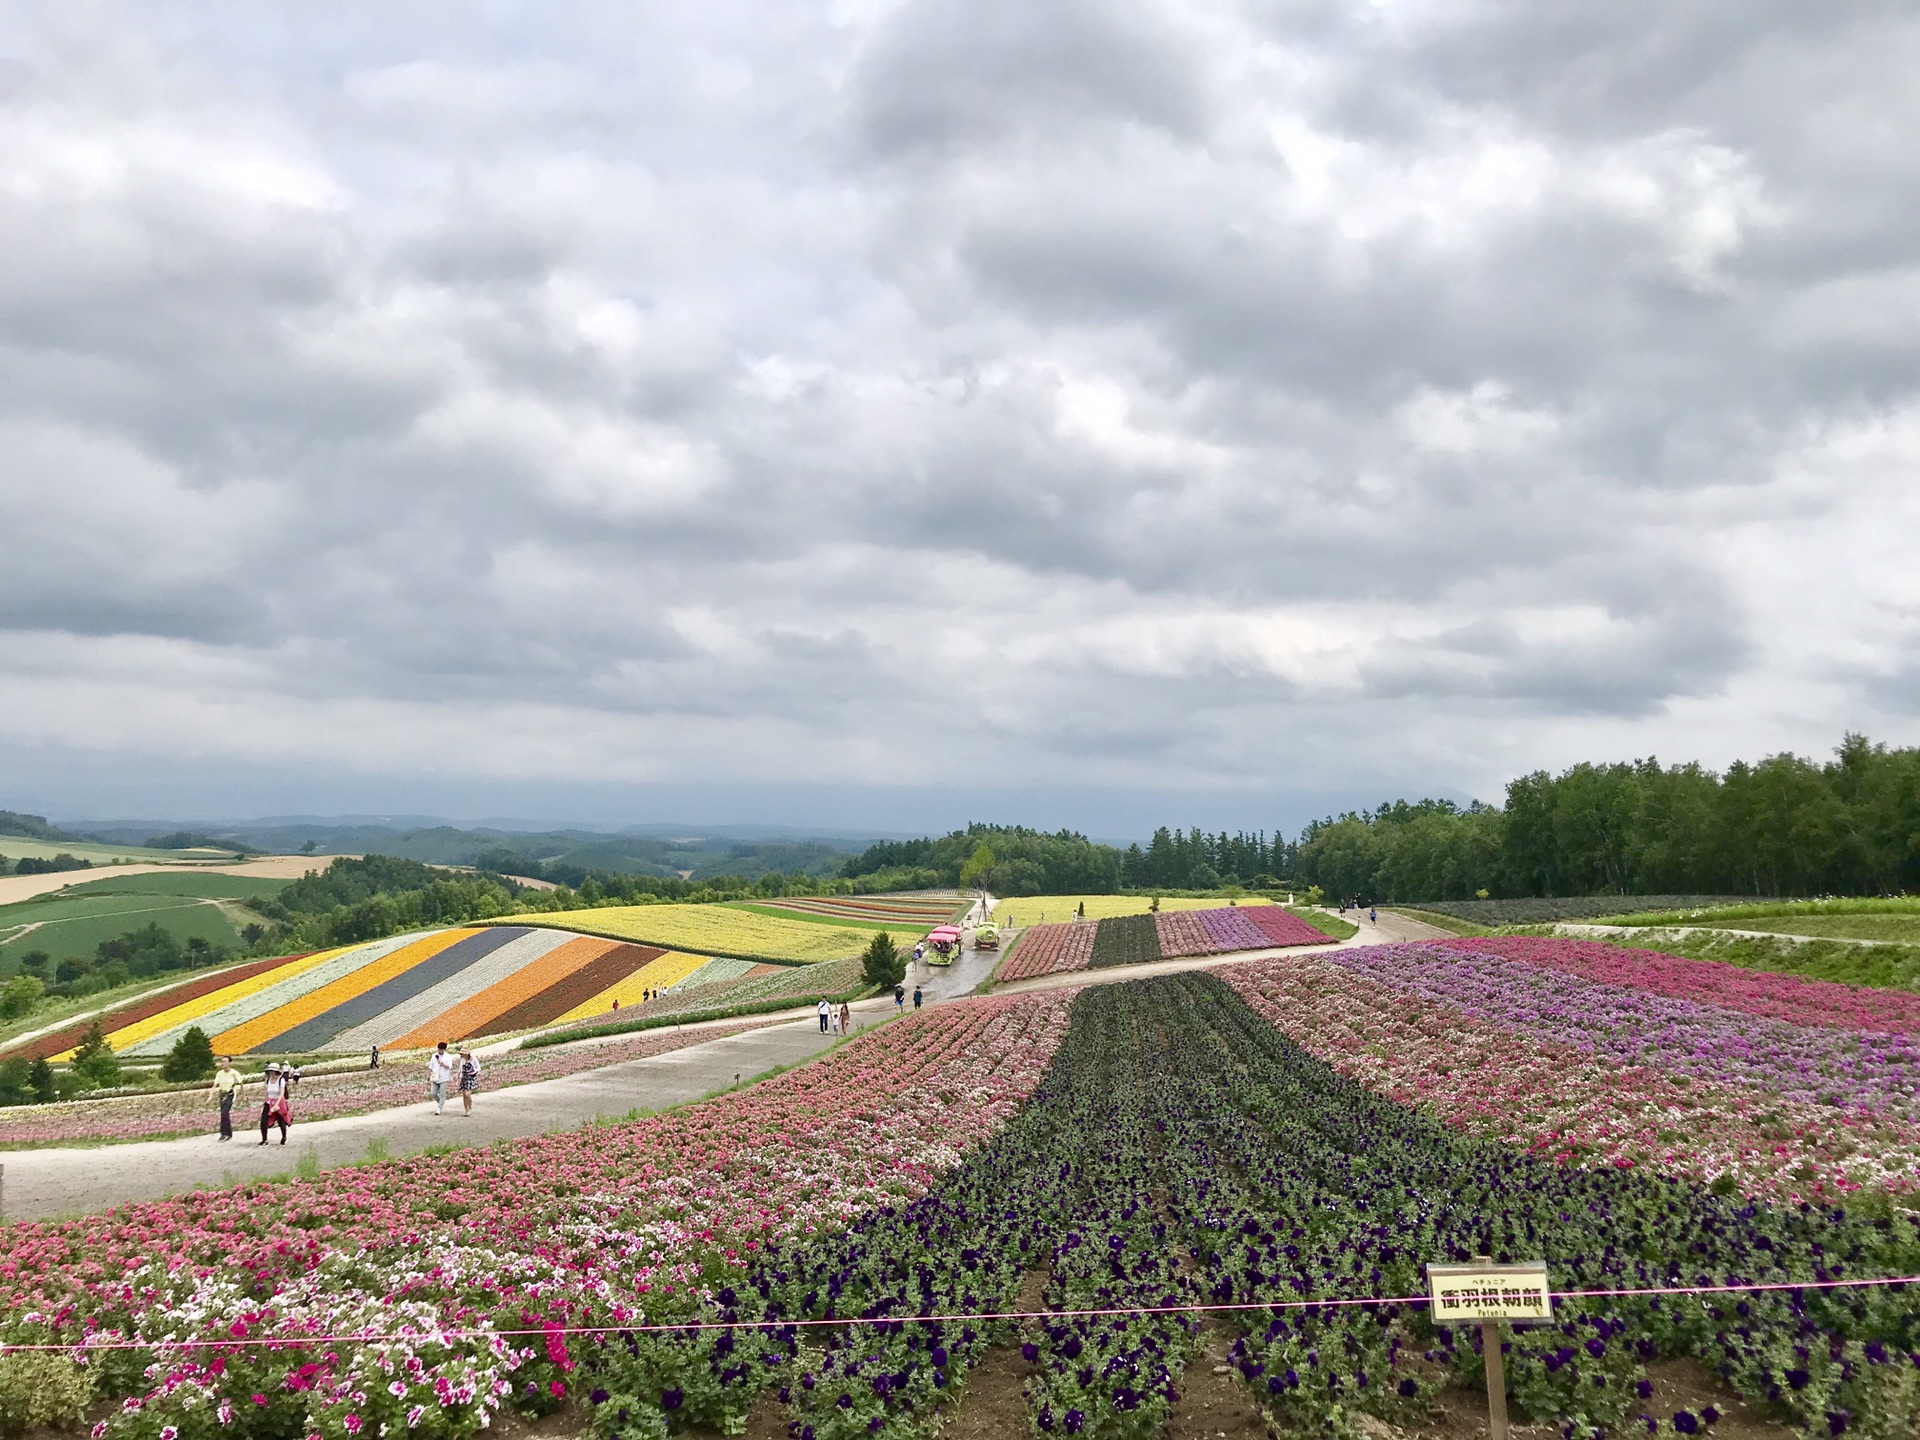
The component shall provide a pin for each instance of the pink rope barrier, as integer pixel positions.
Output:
(954, 1318)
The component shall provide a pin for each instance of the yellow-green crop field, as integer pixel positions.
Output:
(1035, 909)
(712, 930)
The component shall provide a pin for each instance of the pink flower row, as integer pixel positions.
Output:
(1758, 992)
(1572, 1104)
(1050, 949)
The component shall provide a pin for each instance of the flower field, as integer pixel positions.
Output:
(1138, 938)
(600, 1225)
(910, 911)
(1051, 909)
(1277, 1134)
(407, 992)
(1049, 950)
(720, 930)
(326, 1097)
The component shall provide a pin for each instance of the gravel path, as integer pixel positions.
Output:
(72, 1181)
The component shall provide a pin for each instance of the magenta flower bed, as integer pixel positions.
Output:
(1283, 927)
(1757, 992)
(1858, 1071)
(1451, 1047)
(1050, 950)
(1231, 929)
(1183, 932)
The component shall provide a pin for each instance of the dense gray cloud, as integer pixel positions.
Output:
(896, 397)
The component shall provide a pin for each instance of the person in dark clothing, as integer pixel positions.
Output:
(916, 997)
(899, 997)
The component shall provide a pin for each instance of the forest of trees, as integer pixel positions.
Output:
(1781, 826)
(1784, 826)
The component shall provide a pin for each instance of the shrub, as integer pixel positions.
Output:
(94, 1062)
(20, 995)
(38, 1389)
(41, 1082)
(191, 1057)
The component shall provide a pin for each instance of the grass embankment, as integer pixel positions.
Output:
(1452, 924)
(1870, 918)
(1333, 926)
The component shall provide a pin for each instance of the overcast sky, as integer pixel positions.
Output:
(884, 413)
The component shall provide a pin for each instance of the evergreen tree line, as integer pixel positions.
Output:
(1783, 826)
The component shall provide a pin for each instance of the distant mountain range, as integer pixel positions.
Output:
(693, 850)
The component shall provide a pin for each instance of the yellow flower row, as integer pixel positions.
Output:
(1034, 909)
(713, 929)
(656, 974)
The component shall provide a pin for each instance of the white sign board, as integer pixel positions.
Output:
(1490, 1292)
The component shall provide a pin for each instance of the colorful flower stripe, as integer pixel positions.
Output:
(1182, 932)
(712, 929)
(1565, 1101)
(123, 1039)
(431, 1005)
(655, 975)
(714, 972)
(1283, 927)
(283, 1018)
(323, 1031)
(1049, 950)
(60, 1042)
(1233, 928)
(1757, 992)
(481, 1014)
(604, 967)
(1851, 1071)
(242, 1003)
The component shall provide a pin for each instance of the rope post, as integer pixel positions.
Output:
(1496, 1371)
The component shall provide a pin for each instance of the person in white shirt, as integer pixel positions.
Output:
(439, 1072)
(825, 1010)
(274, 1107)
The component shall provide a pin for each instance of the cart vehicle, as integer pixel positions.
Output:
(986, 937)
(943, 945)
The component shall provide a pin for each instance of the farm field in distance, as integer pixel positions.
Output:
(1046, 909)
(15, 847)
(72, 923)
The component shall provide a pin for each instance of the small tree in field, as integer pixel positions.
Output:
(93, 1059)
(41, 1080)
(191, 1057)
(883, 964)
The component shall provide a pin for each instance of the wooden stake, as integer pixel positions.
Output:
(1496, 1371)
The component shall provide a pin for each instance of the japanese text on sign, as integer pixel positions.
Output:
(1490, 1292)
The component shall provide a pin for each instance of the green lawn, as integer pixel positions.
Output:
(75, 924)
(15, 846)
(1868, 926)
(195, 883)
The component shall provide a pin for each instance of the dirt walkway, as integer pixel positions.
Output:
(71, 1181)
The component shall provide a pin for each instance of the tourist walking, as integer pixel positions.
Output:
(833, 1021)
(226, 1084)
(373, 1060)
(824, 1010)
(899, 997)
(916, 997)
(439, 1072)
(275, 1108)
(469, 1080)
(846, 1018)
